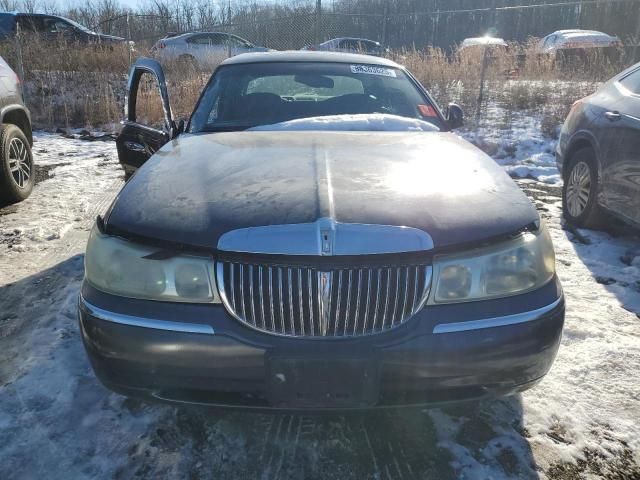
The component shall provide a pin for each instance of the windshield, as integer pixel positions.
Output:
(79, 26)
(241, 42)
(249, 95)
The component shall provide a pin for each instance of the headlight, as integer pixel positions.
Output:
(516, 266)
(122, 268)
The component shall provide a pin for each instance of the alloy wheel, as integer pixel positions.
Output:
(578, 189)
(19, 162)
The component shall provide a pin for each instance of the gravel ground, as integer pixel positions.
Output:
(57, 421)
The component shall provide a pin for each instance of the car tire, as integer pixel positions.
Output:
(580, 191)
(17, 173)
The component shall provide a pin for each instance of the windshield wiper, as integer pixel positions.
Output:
(225, 128)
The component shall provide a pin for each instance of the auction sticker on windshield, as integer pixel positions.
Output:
(372, 70)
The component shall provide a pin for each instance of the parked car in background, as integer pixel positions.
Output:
(287, 251)
(564, 40)
(17, 174)
(202, 50)
(53, 27)
(475, 43)
(598, 154)
(350, 45)
(497, 50)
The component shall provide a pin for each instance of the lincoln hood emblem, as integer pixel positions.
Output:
(324, 289)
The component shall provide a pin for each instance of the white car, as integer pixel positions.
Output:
(577, 39)
(349, 45)
(482, 42)
(202, 50)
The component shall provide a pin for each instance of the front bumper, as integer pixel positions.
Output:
(200, 354)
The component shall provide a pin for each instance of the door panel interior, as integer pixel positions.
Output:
(148, 124)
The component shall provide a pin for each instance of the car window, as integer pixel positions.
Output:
(550, 40)
(198, 39)
(55, 25)
(237, 42)
(632, 82)
(287, 86)
(201, 39)
(371, 47)
(248, 95)
(30, 24)
(217, 39)
(78, 26)
(149, 110)
(350, 45)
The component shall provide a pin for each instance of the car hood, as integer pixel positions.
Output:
(109, 38)
(198, 187)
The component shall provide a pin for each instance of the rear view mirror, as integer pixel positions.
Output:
(455, 116)
(314, 81)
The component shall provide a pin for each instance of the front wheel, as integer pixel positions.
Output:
(580, 191)
(17, 175)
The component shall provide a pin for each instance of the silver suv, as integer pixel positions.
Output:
(16, 162)
(202, 50)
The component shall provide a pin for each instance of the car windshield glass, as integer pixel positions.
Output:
(249, 95)
(240, 42)
(78, 26)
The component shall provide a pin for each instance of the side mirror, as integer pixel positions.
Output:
(455, 116)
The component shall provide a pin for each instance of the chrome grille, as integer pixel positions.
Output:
(314, 301)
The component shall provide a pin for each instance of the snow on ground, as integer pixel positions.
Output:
(76, 179)
(522, 149)
(57, 421)
(586, 411)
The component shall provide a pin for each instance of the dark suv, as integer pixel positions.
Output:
(598, 154)
(52, 26)
(16, 163)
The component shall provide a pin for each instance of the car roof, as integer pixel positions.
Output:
(307, 56)
(577, 33)
(185, 35)
(474, 41)
(208, 33)
(25, 14)
(350, 38)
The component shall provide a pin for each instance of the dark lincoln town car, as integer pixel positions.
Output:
(285, 249)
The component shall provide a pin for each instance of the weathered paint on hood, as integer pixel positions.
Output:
(198, 187)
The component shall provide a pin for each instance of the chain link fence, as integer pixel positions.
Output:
(433, 25)
(74, 85)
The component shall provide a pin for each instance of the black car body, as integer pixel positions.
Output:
(317, 269)
(16, 162)
(53, 27)
(598, 154)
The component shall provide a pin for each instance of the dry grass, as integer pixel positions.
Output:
(85, 86)
(70, 85)
(517, 80)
